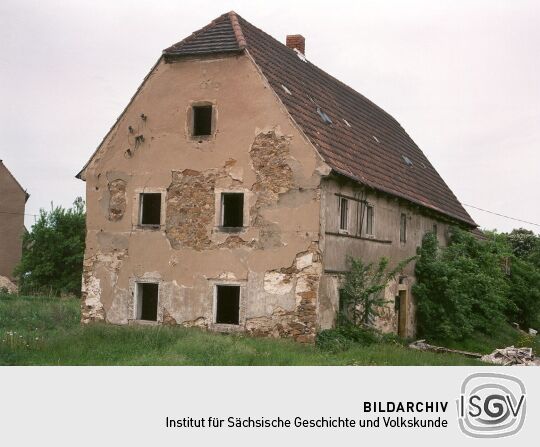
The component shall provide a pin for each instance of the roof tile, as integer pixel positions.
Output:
(350, 150)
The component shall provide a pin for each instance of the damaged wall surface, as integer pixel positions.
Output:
(384, 240)
(255, 149)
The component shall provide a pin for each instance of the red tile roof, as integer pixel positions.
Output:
(354, 136)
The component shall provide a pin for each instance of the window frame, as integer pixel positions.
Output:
(224, 327)
(190, 122)
(138, 296)
(222, 210)
(141, 210)
(403, 228)
(370, 222)
(341, 229)
(138, 205)
(218, 207)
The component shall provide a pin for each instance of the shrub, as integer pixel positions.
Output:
(53, 252)
(343, 337)
(524, 293)
(460, 288)
(362, 296)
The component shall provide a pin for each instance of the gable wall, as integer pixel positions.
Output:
(257, 150)
(12, 201)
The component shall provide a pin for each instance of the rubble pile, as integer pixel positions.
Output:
(510, 356)
(7, 286)
(421, 345)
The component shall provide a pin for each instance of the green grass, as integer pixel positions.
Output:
(485, 344)
(46, 331)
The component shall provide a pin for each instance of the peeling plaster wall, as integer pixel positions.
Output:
(385, 241)
(255, 149)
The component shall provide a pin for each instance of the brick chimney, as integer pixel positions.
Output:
(297, 41)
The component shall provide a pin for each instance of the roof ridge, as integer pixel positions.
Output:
(237, 28)
(194, 34)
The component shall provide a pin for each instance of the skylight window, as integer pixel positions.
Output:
(407, 160)
(286, 90)
(326, 119)
(346, 122)
(376, 139)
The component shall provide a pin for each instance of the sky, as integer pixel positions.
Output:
(462, 78)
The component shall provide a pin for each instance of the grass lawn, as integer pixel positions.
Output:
(46, 331)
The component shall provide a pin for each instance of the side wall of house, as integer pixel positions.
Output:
(255, 149)
(384, 240)
(12, 201)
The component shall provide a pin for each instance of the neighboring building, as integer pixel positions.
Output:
(231, 189)
(12, 200)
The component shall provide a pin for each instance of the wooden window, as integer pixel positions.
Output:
(403, 228)
(343, 214)
(369, 220)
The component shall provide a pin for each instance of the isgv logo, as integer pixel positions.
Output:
(491, 405)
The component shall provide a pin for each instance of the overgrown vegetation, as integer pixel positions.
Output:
(476, 286)
(361, 302)
(46, 331)
(362, 293)
(53, 252)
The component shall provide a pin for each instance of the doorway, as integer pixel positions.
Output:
(402, 305)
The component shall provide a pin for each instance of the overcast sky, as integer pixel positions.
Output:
(462, 78)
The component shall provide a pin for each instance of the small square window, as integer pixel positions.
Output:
(403, 228)
(343, 214)
(227, 304)
(232, 209)
(150, 209)
(202, 121)
(369, 220)
(147, 301)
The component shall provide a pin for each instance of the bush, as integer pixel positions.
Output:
(460, 288)
(524, 293)
(53, 252)
(343, 337)
(362, 292)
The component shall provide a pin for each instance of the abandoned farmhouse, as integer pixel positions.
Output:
(232, 188)
(13, 198)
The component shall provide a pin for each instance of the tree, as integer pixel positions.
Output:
(523, 242)
(53, 252)
(362, 289)
(461, 288)
(524, 293)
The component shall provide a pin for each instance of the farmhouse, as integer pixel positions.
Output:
(232, 188)
(13, 198)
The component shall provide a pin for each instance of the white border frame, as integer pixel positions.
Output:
(137, 209)
(222, 327)
(218, 206)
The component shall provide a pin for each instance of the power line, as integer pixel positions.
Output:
(24, 214)
(501, 215)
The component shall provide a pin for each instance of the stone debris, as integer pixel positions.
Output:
(421, 345)
(511, 356)
(7, 285)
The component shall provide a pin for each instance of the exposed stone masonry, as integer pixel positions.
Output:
(117, 201)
